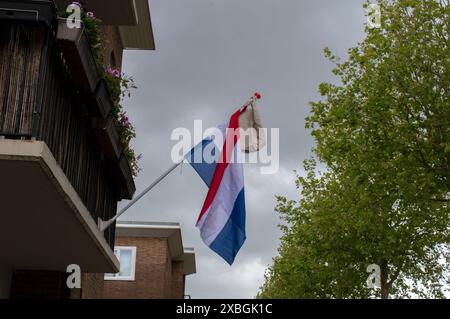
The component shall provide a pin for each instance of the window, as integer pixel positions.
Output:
(127, 259)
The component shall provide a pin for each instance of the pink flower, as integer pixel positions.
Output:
(90, 14)
(116, 73)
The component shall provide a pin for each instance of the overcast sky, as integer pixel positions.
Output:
(211, 55)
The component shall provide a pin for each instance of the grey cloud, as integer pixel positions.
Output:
(211, 56)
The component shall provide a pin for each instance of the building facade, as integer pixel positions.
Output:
(62, 167)
(154, 263)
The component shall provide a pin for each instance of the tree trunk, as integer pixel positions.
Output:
(384, 280)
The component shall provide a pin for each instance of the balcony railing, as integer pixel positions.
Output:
(43, 98)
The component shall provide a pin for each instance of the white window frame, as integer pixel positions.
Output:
(133, 264)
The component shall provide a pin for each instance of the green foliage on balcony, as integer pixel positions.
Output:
(119, 85)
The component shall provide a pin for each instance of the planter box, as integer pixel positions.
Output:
(78, 55)
(101, 104)
(126, 177)
(64, 33)
(107, 138)
(28, 11)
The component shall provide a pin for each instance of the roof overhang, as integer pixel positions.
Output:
(188, 259)
(44, 224)
(139, 36)
(131, 16)
(169, 231)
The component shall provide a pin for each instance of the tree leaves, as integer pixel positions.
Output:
(384, 135)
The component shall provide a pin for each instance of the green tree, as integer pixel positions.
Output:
(384, 135)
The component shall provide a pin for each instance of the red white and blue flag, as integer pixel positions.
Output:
(222, 218)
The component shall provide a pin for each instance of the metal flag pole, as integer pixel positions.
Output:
(103, 225)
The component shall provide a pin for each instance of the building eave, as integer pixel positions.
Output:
(169, 231)
(132, 17)
(140, 36)
(188, 258)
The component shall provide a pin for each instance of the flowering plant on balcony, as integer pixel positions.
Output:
(119, 85)
(91, 28)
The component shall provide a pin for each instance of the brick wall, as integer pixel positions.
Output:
(153, 275)
(5, 280)
(39, 284)
(178, 280)
(92, 286)
(43, 284)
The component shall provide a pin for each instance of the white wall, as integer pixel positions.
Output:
(5, 280)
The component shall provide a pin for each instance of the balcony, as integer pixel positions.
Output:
(60, 160)
(45, 224)
(131, 16)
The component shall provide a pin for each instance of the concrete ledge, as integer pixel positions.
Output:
(45, 223)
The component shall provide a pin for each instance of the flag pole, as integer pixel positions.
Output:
(103, 225)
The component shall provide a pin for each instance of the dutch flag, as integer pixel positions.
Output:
(222, 218)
